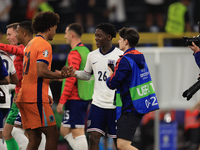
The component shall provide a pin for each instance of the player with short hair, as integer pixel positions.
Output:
(32, 99)
(102, 113)
(76, 93)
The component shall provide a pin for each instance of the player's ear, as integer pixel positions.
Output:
(72, 34)
(126, 41)
(24, 33)
(109, 37)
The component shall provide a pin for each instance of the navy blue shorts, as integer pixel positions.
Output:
(102, 120)
(3, 114)
(74, 114)
(127, 125)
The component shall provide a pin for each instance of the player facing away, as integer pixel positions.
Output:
(102, 113)
(76, 94)
(32, 100)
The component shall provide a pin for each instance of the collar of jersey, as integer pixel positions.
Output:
(112, 48)
(39, 36)
(130, 49)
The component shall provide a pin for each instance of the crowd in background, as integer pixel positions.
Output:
(144, 15)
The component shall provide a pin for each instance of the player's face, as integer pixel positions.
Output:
(67, 35)
(121, 44)
(11, 36)
(19, 35)
(101, 38)
(52, 32)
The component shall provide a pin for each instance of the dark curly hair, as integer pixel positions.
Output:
(107, 28)
(45, 20)
(130, 34)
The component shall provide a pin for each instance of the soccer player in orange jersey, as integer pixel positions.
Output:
(32, 99)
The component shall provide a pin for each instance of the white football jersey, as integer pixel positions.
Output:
(8, 62)
(97, 63)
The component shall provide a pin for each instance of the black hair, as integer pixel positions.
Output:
(131, 35)
(77, 28)
(27, 25)
(45, 20)
(107, 28)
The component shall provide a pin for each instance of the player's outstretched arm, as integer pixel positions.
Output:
(44, 72)
(11, 49)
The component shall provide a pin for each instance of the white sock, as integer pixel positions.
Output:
(81, 143)
(42, 143)
(1, 145)
(70, 140)
(20, 137)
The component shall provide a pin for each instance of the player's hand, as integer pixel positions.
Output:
(50, 100)
(68, 71)
(60, 108)
(15, 98)
(111, 72)
(59, 80)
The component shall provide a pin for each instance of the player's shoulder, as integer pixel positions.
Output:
(5, 55)
(40, 41)
(118, 51)
(94, 52)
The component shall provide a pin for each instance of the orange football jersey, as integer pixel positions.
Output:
(34, 88)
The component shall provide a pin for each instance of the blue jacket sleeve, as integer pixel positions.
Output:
(3, 70)
(121, 71)
(197, 58)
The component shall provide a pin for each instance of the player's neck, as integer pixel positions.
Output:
(44, 35)
(26, 41)
(126, 48)
(75, 42)
(106, 48)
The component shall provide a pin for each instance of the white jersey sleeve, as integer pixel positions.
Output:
(88, 65)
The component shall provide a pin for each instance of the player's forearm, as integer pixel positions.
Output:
(5, 81)
(49, 74)
(82, 75)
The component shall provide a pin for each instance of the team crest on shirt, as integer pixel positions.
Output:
(45, 53)
(110, 61)
(51, 118)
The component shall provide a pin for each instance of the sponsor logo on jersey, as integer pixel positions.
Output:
(45, 53)
(51, 118)
(94, 62)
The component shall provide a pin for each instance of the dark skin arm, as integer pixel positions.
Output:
(44, 72)
(14, 79)
(5, 80)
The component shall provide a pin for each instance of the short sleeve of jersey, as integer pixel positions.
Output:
(45, 54)
(88, 65)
